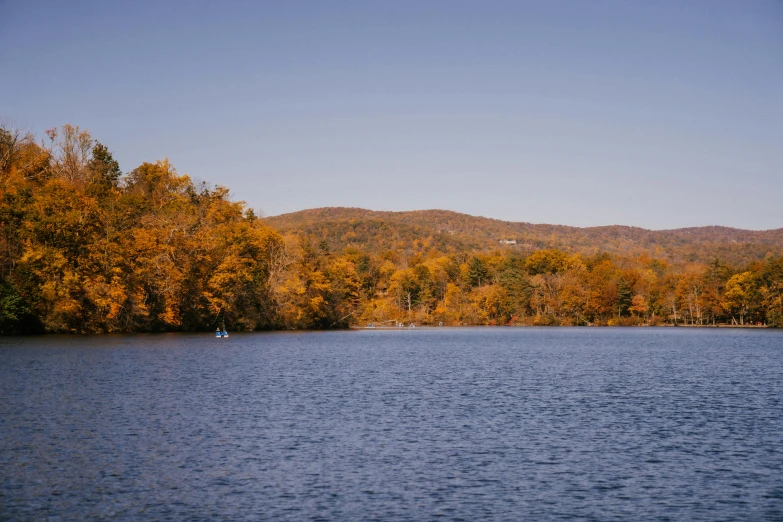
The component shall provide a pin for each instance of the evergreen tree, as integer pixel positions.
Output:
(104, 169)
(624, 297)
(477, 272)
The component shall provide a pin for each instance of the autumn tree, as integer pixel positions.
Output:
(86, 248)
(772, 290)
(738, 298)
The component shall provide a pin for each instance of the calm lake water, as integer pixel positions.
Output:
(454, 424)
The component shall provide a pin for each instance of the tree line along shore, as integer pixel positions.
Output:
(86, 248)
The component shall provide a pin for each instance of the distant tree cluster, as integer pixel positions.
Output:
(85, 248)
(551, 287)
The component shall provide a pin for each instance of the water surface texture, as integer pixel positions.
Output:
(452, 424)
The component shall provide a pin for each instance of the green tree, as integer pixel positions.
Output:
(624, 297)
(13, 309)
(477, 272)
(103, 168)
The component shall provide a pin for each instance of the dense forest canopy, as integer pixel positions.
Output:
(85, 247)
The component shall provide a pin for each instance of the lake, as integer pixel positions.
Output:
(452, 424)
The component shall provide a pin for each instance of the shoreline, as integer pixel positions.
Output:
(415, 327)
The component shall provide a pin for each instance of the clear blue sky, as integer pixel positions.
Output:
(587, 112)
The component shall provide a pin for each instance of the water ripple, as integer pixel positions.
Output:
(466, 424)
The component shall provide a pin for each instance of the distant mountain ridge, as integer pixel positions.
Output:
(448, 230)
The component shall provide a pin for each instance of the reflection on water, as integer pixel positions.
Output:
(503, 424)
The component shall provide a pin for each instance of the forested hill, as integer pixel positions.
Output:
(88, 248)
(377, 231)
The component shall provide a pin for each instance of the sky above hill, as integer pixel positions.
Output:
(587, 112)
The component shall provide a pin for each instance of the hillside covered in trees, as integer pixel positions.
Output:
(376, 231)
(87, 248)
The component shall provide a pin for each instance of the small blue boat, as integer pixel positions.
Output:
(221, 333)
